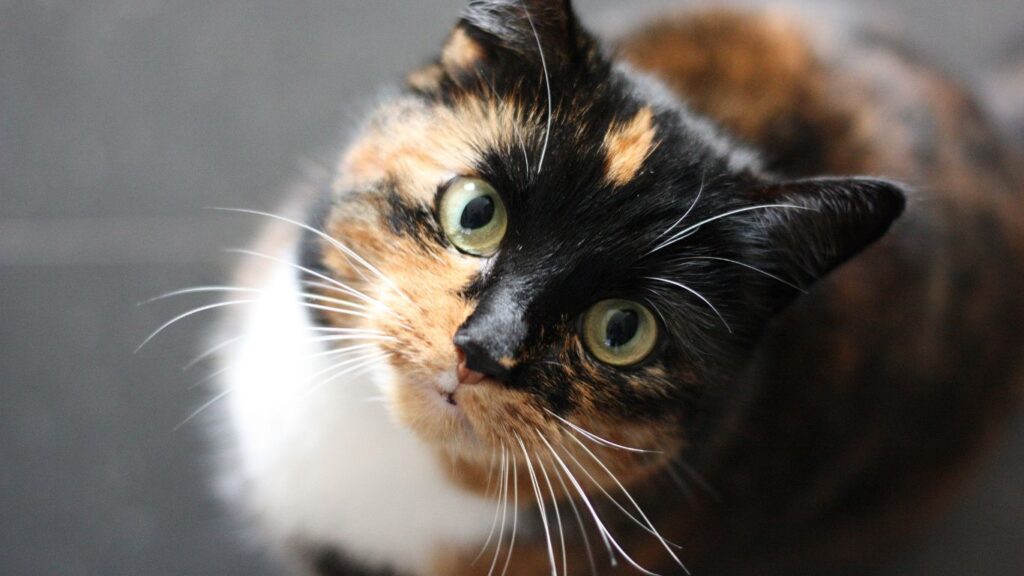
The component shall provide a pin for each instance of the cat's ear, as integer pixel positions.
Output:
(520, 30)
(801, 230)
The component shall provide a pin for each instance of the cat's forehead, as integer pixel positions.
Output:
(419, 144)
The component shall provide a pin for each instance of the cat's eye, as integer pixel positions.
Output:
(473, 216)
(619, 332)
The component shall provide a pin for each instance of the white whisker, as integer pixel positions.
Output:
(340, 364)
(515, 516)
(688, 210)
(579, 521)
(612, 499)
(333, 241)
(311, 273)
(542, 509)
(697, 294)
(348, 335)
(246, 290)
(598, 439)
(217, 305)
(597, 519)
(558, 514)
(192, 312)
(211, 351)
(750, 267)
(504, 510)
(650, 525)
(547, 86)
(497, 503)
(683, 233)
(344, 288)
(355, 365)
(203, 408)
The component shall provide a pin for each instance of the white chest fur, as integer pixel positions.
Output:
(326, 465)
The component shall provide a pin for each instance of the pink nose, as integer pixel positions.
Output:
(462, 372)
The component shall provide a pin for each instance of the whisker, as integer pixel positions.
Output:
(540, 506)
(343, 288)
(497, 504)
(598, 439)
(650, 525)
(204, 407)
(695, 293)
(558, 514)
(597, 519)
(750, 267)
(515, 515)
(192, 312)
(579, 521)
(314, 340)
(247, 290)
(339, 364)
(504, 510)
(298, 267)
(547, 86)
(369, 334)
(357, 364)
(217, 305)
(311, 273)
(333, 241)
(490, 473)
(612, 499)
(211, 351)
(331, 329)
(681, 234)
(688, 210)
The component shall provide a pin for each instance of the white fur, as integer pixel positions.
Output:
(325, 465)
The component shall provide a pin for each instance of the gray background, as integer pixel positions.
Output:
(119, 121)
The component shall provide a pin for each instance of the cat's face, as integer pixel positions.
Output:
(592, 262)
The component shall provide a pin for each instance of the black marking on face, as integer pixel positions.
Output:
(411, 218)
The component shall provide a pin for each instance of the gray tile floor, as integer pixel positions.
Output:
(119, 121)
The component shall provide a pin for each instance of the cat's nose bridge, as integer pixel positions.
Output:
(493, 334)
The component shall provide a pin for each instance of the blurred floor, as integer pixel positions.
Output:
(119, 121)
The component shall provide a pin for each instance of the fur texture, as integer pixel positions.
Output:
(704, 166)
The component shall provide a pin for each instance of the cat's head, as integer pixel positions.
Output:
(557, 251)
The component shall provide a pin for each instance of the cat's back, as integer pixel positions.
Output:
(871, 394)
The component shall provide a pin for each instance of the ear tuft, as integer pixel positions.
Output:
(820, 224)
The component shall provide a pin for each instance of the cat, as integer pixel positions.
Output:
(733, 292)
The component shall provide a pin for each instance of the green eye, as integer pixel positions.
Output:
(619, 332)
(473, 216)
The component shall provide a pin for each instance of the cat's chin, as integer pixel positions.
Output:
(437, 413)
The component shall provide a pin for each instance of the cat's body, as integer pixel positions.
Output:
(851, 419)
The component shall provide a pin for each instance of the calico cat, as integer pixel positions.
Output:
(733, 291)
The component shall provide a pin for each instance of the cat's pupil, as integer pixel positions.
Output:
(478, 213)
(622, 327)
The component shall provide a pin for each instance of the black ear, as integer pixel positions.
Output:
(516, 27)
(812, 226)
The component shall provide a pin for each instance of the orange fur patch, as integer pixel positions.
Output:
(420, 146)
(627, 145)
(461, 52)
(427, 79)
